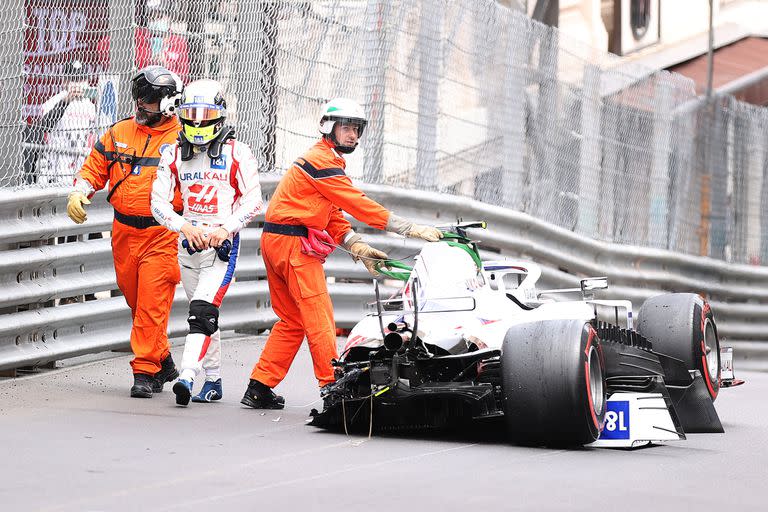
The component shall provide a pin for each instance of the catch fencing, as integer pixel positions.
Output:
(471, 99)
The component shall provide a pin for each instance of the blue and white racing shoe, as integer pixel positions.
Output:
(211, 391)
(183, 390)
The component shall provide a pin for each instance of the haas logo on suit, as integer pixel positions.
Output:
(203, 199)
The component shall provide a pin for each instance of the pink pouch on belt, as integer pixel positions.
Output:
(317, 244)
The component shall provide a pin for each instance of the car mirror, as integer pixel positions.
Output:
(594, 283)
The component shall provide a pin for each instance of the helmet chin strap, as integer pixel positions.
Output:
(150, 117)
(342, 149)
(146, 111)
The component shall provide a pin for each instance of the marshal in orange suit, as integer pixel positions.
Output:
(308, 203)
(144, 252)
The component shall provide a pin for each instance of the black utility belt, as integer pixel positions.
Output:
(137, 221)
(285, 229)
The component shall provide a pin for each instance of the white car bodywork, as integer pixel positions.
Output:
(460, 304)
(458, 301)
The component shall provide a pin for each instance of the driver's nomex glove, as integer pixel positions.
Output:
(397, 224)
(222, 251)
(370, 256)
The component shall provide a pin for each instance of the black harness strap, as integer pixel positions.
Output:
(117, 158)
(285, 229)
(137, 221)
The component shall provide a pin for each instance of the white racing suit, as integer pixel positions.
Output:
(221, 192)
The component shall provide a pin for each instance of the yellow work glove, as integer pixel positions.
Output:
(369, 255)
(75, 208)
(428, 233)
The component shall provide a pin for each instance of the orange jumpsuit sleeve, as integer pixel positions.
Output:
(94, 169)
(338, 226)
(336, 186)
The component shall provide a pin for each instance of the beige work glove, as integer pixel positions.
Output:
(75, 206)
(428, 233)
(397, 224)
(369, 255)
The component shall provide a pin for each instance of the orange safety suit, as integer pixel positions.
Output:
(313, 193)
(145, 253)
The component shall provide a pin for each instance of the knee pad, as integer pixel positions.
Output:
(203, 317)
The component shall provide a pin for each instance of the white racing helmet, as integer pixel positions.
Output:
(202, 112)
(342, 110)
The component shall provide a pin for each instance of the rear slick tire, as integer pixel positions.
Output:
(682, 325)
(553, 380)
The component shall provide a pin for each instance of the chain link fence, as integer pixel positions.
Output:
(466, 98)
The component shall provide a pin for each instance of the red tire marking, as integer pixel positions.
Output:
(592, 334)
(712, 392)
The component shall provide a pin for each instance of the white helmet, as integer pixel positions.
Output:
(202, 111)
(343, 110)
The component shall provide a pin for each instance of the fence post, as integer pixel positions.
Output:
(430, 64)
(763, 257)
(684, 207)
(197, 12)
(546, 118)
(720, 156)
(746, 179)
(376, 53)
(590, 154)
(122, 52)
(658, 194)
(255, 89)
(12, 92)
(754, 222)
(513, 124)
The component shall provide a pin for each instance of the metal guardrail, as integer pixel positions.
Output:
(35, 272)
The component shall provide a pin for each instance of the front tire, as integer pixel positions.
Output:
(553, 379)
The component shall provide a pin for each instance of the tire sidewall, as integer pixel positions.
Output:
(703, 313)
(548, 383)
(676, 324)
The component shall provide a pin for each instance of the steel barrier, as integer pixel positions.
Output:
(38, 268)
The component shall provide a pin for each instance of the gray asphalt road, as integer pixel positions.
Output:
(73, 440)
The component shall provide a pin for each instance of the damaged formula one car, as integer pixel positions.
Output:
(470, 340)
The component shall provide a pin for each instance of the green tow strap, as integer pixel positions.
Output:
(459, 241)
(400, 276)
(451, 239)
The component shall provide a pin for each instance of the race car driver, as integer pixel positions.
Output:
(306, 207)
(144, 252)
(219, 184)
